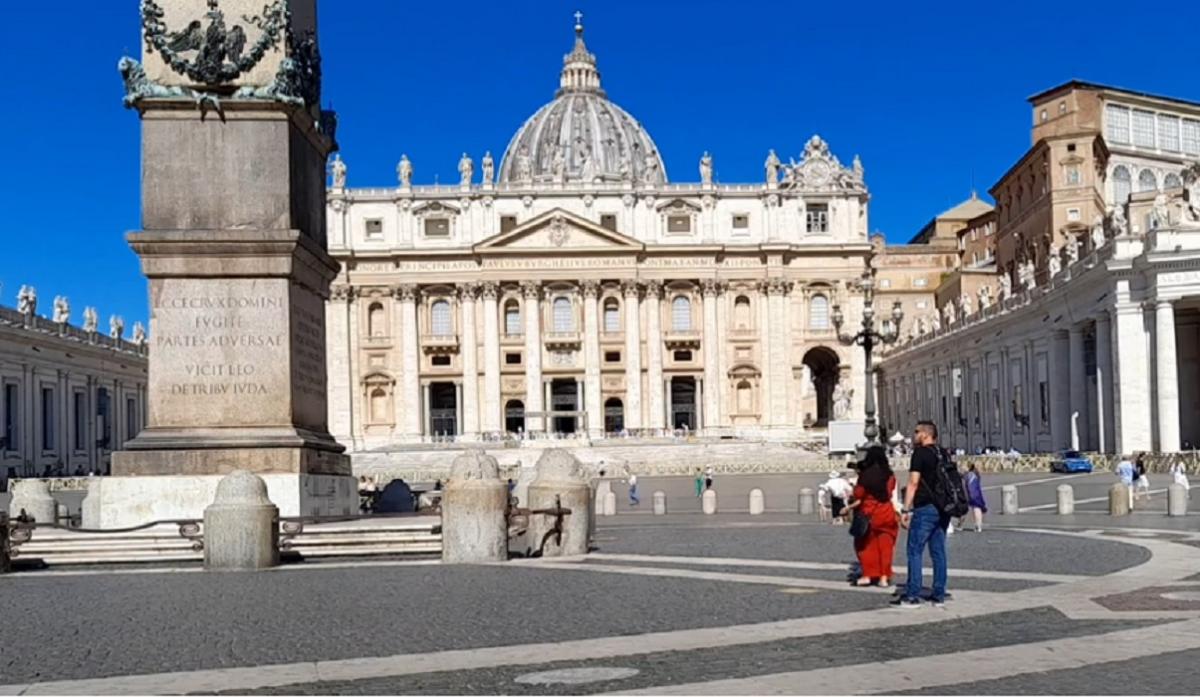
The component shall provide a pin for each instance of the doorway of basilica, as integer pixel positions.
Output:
(683, 403)
(443, 409)
(823, 370)
(564, 396)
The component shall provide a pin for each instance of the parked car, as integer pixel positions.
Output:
(1070, 461)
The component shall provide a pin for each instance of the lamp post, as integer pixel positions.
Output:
(868, 337)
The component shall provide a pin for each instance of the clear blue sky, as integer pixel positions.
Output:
(931, 96)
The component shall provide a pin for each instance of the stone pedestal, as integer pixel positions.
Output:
(473, 507)
(708, 502)
(33, 497)
(560, 478)
(1177, 500)
(757, 506)
(806, 502)
(241, 527)
(1066, 500)
(1120, 499)
(660, 503)
(1008, 498)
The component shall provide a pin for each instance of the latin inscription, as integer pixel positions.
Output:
(308, 352)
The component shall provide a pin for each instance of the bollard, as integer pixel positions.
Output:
(33, 497)
(807, 501)
(1118, 499)
(603, 489)
(1177, 500)
(241, 526)
(1066, 500)
(709, 502)
(560, 478)
(1008, 500)
(474, 507)
(756, 502)
(610, 503)
(660, 503)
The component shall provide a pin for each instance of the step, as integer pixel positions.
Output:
(424, 548)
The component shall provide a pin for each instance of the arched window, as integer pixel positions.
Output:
(563, 320)
(1172, 181)
(1147, 181)
(741, 312)
(379, 406)
(818, 312)
(440, 318)
(1122, 185)
(612, 315)
(745, 397)
(375, 322)
(512, 318)
(681, 313)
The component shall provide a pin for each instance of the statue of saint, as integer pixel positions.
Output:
(139, 334)
(559, 166)
(965, 305)
(62, 309)
(116, 326)
(1117, 221)
(935, 322)
(772, 167)
(1030, 275)
(948, 313)
(857, 168)
(404, 171)
(650, 167)
(27, 301)
(706, 168)
(524, 165)
(1005, 287)
(1160, 215)
(338, 168)
(1191, 190)
(985, 297)
(1054, 263)
(1098, 236)
(91, 320)
(489, 167)
(921, 328)
(466, 170)
(841, 401)
(1071, 247)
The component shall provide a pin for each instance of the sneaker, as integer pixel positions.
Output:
(907, 603)
(938, 602)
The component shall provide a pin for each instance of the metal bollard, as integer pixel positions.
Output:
(806, 501)
(1066, 499)
(1009, 500)
(1177, 500)
(757, 504)
(709, 502)
(660, 503)
(1118, 499)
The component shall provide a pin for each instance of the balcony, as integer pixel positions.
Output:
(439, 343)
(679, 338)
(562, 340)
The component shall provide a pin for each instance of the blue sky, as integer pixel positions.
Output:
(931, 96)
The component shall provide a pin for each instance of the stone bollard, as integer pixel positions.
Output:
(241, 526)
(756, 502)
(1118, 499)
(709, 501)
(603, 489)
(1008, 495)
(474, 507)
(610, 503)
(660, 503)
(1177, 500)
(33, 497)
(1066, 500)
(560, 479)
(807, 501)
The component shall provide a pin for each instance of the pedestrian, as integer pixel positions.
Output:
(699, 483)
(975, 496)
(708, 477)
(872, 497)
(633, 492)
(1179, 476)
(1127, 474)
(926, 524)
(1141, 481)
(839, 492)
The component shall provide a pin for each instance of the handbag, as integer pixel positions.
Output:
(860, 525)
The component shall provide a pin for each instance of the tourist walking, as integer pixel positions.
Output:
(633, 492)
(926, 524)
(872, 498)
(1127, 474)
(975, 496)
(1179, 476)
(1141, 482)
(708, 477)
(699, 483)
(839, 492)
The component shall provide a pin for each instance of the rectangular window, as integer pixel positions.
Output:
(920, 282)
(1073, 215)
(437, 227)
(512, 359)
(507, 222)
(131, 419)
(885, 283)
(12, 400)
(80, 418)
(440, 361)
(612, 356)
(817, 218)
(608, 221)
(683, 356)
(512, 319)
(679, 223)
(374, 229)
(1168, 133)
(47, 418)
(1073, 176)
(1190, 135)
(1143, 129)
(741, 221)
(1117, 126)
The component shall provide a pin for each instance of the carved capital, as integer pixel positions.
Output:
(711, 287)
(489, 290)
(631, 288)
(405, 292)
(468, 291)
(342, 292)
(654, 289)
(531, 289)
(590, 288)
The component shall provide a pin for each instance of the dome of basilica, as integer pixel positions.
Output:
(581, 137)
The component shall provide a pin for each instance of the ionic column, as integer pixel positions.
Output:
(532, 311)
(469, 405)
(1167, 376)
(1078, 382)
(710, 288)
(654, 355)
(491, 419)
(592, 403)
(633, 355)
(410, 378)
(1104, 383)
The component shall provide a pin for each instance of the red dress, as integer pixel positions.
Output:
(875, 549)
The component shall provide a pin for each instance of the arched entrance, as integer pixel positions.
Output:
(823, 368)
(614, 415)
(514, 416)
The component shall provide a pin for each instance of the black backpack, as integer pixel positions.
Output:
(947, 489)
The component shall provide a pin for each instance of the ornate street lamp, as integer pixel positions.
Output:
(868, 337)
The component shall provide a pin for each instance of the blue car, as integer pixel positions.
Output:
(1070, 462)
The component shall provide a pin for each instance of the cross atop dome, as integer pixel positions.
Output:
(579, 73)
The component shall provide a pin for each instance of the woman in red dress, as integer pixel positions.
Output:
(873, 496)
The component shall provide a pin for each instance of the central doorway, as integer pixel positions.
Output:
(824, 369)
(443, 409)
(564, 396)
(683, 403)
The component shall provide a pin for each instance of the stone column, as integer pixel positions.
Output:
(458, 409)
(593, 404)
(427, 426)
(410, 364)
(532, 311)
(654, 356)
(342, 390)
(1060, 398)
(633, 356)
(469, 350)
(491, 419)
(1078, 382)
(777, 351)
(1104, 384)
(1132, 380)
(711, 341)
(1167, 376)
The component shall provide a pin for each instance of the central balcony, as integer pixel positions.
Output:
(439, 343)
(562, 340)
(682, 338)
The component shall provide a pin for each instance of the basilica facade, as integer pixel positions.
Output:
(574, 289)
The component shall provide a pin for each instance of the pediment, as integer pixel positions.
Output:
(559, 231)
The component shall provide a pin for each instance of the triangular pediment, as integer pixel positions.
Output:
(559, 231)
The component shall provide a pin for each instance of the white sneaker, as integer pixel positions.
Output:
(950, 529)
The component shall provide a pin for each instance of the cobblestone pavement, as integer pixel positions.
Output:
(730, 604)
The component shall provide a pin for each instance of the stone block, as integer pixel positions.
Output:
(757, 505)
(474, 503)
(1066, 499)
(1119, 499)
(1009, 500)
(33, 497)
(708, 502)
(241, 527)
(561, 478)
(1177, 500)
(806, 502)
(610, 503)
(660, 503)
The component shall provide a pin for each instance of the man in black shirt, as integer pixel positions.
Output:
(925, 523)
